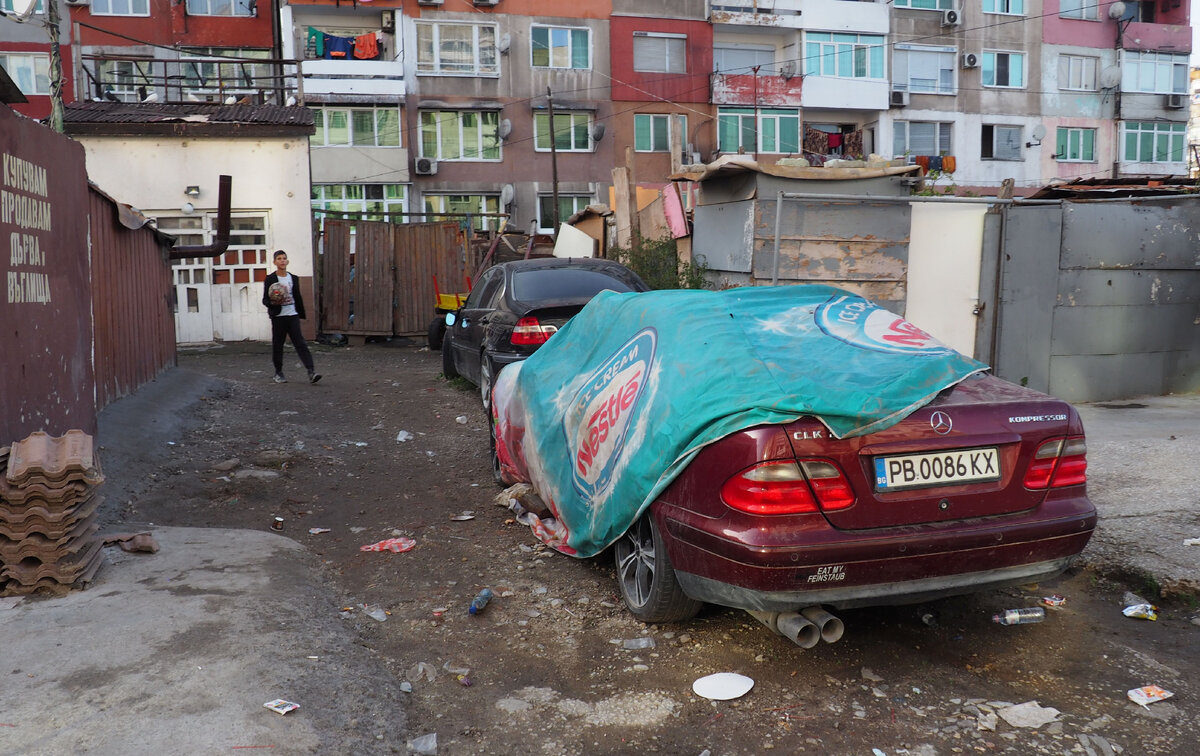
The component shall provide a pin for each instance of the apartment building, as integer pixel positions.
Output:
(26, 56)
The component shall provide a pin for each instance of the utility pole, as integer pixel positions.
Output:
(553, 160)
(56, 72)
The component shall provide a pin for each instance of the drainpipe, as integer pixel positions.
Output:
(221, 241)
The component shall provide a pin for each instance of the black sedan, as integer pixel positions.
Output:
(516, 307)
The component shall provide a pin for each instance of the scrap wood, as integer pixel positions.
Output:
(133, 542)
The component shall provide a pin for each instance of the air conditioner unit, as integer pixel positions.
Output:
(970, 60)
(388, 21)
(429, 2)
(1175, 101)
(899, 99)
(426, 166)
(951, 18)
(487, 2)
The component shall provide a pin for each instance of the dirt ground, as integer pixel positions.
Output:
(548, 673)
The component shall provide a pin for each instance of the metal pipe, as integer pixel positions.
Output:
(1017, 201)
(790, 625)
(220, 242)
(831, 627)
(778, 230)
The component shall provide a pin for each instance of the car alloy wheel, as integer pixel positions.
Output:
(487, 376)
(646, 578)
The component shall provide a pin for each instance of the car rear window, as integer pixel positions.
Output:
(563, 283)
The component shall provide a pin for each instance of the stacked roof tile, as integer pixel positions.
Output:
(48, 521)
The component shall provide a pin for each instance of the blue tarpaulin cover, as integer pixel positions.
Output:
(618, 402)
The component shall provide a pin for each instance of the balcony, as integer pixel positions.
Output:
(125, 78)
(866, 16)
(353, 77)
(756, 91)
(1174, 38)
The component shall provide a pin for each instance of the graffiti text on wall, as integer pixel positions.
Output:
(25, 204)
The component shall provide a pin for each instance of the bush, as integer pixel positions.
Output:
(657, 262)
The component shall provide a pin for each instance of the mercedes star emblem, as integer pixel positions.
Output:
(941, 423)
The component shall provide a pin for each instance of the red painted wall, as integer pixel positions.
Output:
(39, 105)
(637, 86)
(169, 24)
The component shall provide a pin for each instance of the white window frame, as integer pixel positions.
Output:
(759, 118)
(1011, 142)
(943, 138)
(431, 63)
(323, 113)
(8, 6)
(658, 121)
(934, 5)
(453, 119)
(578, 202)
(947, 61)
(121, 78)
(1079, 10)
(576, 118)
(1076, 67)
(325, 197)
(34, 69)
(486, 203)
(1007, 5)
(1079, 131)
(570, 30)
(1159, 130)
(871, 45)
(668, 58)
(107, 7)
(1135, 62)
(1010, 54)
(223, 8)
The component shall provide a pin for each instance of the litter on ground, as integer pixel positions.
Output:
(397, 545)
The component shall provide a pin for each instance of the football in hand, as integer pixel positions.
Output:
(277, 294)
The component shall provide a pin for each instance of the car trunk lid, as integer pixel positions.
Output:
(963, 455)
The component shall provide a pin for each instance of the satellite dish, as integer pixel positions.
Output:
(597, 132)
(506, 195)
(1116, 10)
(505, 128)
(1039, 132)
(1110, 77)
(23, 9)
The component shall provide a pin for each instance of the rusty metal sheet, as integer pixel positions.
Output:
(46, 295)
(423, 251)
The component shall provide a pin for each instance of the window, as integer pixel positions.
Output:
(920, 138)
(221, 7)
(561, 47)
(1154, 72)
(1001, 142)
(464, 203)
(1083, 10)
(1076, 145)
(850, 56)
(8, 6)
(1002, 69)
(1006, 7)
(924, 69)
(122, 78)
(1077, 72)
(121, 8)
(357, 127)
(1152, 141)
(568, 205)
(212, 73)
(652, 131)
(777, 131)
(460, 134)
(572, 132)
(449, 49)
(926, 4)
(375, 200)
(741, 59)
(661, 53)
(29, 71)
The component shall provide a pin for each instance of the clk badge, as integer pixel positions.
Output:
(941, 423)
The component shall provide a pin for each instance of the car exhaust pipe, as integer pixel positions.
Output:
(790, 625)
(831, 627)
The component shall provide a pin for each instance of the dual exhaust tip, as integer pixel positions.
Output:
(805, 628)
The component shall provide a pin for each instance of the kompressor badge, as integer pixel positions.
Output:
(860, 323)
(598, 420)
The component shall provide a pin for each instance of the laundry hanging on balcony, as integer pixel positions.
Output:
(366, 46)
(314, 43)
(338, 48)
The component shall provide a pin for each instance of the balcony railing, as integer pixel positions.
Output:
(764, 91)
(124, 78)
(1157, 37)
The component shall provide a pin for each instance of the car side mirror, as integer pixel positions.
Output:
(450, 318)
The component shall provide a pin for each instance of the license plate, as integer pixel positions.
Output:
(937, 468)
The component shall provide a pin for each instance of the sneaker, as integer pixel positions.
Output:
(279, 378)
(313, 377)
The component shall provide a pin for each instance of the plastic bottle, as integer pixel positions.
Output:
(480, 601)
(1025, 616)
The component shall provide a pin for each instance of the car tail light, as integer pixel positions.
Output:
(1058, 462)
(529, 331)
(788, 488)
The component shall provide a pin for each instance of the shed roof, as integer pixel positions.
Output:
(728, 165)
(185, 119)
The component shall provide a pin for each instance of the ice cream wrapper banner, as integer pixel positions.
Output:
(616, 404)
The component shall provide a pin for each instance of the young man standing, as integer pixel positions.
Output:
(281, 296)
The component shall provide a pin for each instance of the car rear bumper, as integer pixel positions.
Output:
(875, 567)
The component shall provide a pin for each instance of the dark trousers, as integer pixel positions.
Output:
(288, 326)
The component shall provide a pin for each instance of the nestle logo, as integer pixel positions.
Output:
(855, 321)
(597, 421)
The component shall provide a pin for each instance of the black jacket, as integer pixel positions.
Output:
(273, 310)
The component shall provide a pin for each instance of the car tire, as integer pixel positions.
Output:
(646, 578)
(448, 369)
(437, 330)
(496, 476)
(487, 379)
